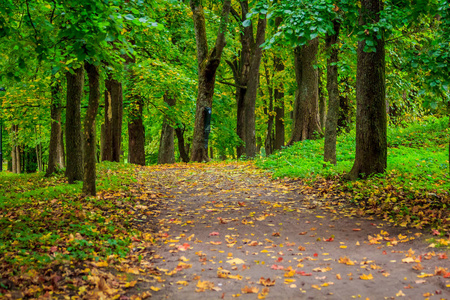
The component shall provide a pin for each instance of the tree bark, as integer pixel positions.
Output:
(90, 144)
(166, 154)
(55, 155)
(208, 62)
(371, 139)
(252, 89)
(184, 151)
(246, 77)
(306, 106)
(136, 129)
(322, 102)
(111, 149)
(74, 143)
(279, 106)
(269, 110)
(332, 41)
(15, 151)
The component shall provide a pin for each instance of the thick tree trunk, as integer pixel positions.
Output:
(184, 151)
(111, 149)
(166, 154)
(306, 107)
(246, 76)
(279, 106)
(74, 143)
(333, 95)
(241, 74)
(371, 140)
(252, 89)
(136, 136)
(55, 155)
(208, 62)
(136, 129)
(90, 144)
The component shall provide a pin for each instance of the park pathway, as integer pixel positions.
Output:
(227, 231)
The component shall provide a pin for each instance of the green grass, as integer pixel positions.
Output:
(417, 174)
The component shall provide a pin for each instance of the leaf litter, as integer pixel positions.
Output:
(226, 228)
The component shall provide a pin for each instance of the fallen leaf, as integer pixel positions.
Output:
(366, 277)
(266, 282)
(236, 261)
(249, 290)
(264, 293)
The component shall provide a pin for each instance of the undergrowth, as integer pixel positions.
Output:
(414, 190)
(45, 220)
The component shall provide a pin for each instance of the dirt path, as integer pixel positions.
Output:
(229, 229)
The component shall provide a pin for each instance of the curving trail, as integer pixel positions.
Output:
(227, 230)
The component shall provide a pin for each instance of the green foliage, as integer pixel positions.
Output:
(416, 178)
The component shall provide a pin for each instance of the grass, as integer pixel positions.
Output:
(414, 190)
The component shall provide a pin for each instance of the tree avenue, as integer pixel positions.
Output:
(158, 81)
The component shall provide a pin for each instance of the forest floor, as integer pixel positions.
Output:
(220, 230)
(229, 230)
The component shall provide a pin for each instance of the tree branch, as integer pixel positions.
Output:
(31, 20)
(232, 84)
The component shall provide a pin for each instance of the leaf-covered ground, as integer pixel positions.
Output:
(228, 230)
(207, 231)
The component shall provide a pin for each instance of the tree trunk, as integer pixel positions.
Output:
(371, 139)
(136, 129)
(90, 144)
(322, 102)
(268, 144)
(279, 106)
(136, 136)
(184, 151)
(306, 106)
(252, 89)
(111, 149)
(333, 95)
(246, 76)
(15, 151)
(74, 143)
(166, 154)
(39, 157)
(345, 111)
(208, 62)
(55, 155)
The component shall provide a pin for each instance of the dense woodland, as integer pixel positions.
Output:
(161, 81)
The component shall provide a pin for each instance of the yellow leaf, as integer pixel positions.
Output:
(366, 277)
(129, 284)
(182, 282)
(236, 261)
(315, 286)
(423, 275)
(264, 293)
(153, 288)
(238, 277)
